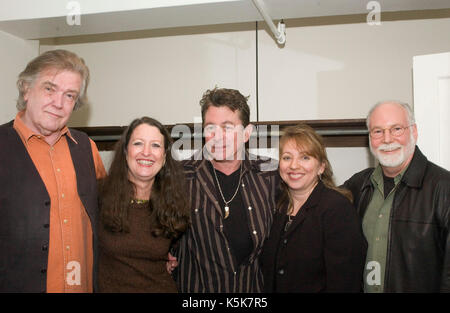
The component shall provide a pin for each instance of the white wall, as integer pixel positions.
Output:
(340, 71)
(163, 77)
(323, 72)
(14, 56)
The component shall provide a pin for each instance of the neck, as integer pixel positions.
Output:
(143, 190)
(299, 197)
(51, 139)
(227, 167)
(394, 171)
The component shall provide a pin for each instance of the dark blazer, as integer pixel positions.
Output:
(323, 250)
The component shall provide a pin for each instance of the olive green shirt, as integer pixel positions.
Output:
(376, 229)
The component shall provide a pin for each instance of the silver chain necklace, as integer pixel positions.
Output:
(227, 208)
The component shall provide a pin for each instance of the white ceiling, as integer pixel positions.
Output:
(31, 19)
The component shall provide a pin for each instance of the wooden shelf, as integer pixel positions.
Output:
(336, 133)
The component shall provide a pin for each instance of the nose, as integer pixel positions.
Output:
(219, 133)
(294, 163)
(147, 149)
(387, 137)
(58, 99)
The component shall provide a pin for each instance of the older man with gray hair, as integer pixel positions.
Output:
(48, 187)
(404, 204)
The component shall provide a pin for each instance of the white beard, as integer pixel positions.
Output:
(397, 158)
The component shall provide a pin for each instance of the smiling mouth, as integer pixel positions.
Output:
(390, 150)
(295, 176)
(53, 114)
(145, 162)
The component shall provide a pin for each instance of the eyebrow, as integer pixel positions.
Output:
(223, 123)
(143, 139)
(47, 82)
(389, 126)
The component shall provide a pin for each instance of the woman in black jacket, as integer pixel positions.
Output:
(316, 242)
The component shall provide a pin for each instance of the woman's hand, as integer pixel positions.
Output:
(171, 263)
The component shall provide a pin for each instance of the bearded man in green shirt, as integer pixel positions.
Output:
(404, 204)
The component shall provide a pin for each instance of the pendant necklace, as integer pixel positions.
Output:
(227, 208)
(288, 223)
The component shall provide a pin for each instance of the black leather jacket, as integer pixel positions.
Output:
(418, 253)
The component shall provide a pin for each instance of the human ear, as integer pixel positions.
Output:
(247, 132)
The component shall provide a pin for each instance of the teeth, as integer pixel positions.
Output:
(389, 147)
(145, 162)
(295, 175)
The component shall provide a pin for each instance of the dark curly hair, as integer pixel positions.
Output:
(229, 98)
(168, 203)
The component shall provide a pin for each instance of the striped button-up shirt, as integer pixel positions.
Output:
(206, 263)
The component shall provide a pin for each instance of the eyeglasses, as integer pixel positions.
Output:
(395, 131)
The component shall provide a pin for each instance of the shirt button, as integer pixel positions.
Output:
(243, 185)
(380, 216)
(249, 208)
(196, 210)
(254, 232)
(62, 195)
(45, 247)
(67, 247)
(58, 170)
(44, 270)
(377, 239)
(285, 241)
(281, 271)
(65, 221)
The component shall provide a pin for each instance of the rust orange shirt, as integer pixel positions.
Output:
(70, 248)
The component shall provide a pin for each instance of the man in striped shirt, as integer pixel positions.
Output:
(232, 198)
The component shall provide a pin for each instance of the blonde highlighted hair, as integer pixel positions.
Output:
(310, 143)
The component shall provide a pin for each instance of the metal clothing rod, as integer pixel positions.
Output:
(280, 32)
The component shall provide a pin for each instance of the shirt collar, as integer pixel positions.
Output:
(202, 161)
(26, 134)
(377, 176)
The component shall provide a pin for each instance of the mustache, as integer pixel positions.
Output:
(389, 147)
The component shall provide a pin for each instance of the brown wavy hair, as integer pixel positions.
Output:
(168, 203)
(230, 98)
(312, 144)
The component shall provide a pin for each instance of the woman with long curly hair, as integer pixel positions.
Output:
(316, 242)
(143, 210)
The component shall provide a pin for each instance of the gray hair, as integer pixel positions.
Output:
(404, 105)
(54, 59)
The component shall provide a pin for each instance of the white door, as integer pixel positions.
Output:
(432, 106)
